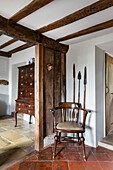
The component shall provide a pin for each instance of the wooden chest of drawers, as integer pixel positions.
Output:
(25, 101)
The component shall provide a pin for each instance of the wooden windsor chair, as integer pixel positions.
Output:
(69, 123)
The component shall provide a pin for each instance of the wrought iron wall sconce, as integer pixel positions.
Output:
(49, 67)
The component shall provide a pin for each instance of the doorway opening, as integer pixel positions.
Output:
(107, 141)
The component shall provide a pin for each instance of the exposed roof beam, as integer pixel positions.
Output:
(91, 9)
(5, 54)
(23, 33)
(82, 13)
(7, 43)
(17, 31)
(20, 48)
(30, 8)
(89, 30)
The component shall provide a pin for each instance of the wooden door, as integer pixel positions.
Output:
(109, 92)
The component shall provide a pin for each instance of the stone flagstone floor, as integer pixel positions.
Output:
(15, 142)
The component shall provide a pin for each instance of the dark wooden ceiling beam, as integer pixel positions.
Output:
(25, 34)
(20, 48)
(5, 54)
(17, 31)
(82, 13)
(89, 10)
(30, 8)
(8, 43)
(89, 30)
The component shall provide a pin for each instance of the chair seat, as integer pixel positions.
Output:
(69, 126)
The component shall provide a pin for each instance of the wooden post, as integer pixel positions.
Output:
(63, 77)
(38, 97)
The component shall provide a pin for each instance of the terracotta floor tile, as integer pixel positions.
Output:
(72, 145)
(106, 165)
(61, 156)
(87, 149)
(98, 150)
(27, 166)
(59, 149)
(90, 157)
(16, 167)
(44, 166)
(71, 149)
(110, 153)
(102, 157)
(47, 150)
(60, 166)
(92, 166)
(74, 156)
(43, 156)
(60, 144)
(33, 158)
(76, 166)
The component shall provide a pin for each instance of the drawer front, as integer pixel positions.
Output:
(21, 94)
(29, 94)
(30, 69)
(31, 112)
(23, 86)
(30, 106)
(22, 78)
(31, 76)
(22, 71)
(19, 104)
(18, 109)
(30, 84)
(24, 110)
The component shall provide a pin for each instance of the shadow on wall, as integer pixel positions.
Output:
(4, 104)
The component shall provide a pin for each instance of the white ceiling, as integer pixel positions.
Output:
(53, 12)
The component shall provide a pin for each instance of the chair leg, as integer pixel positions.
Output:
(59, 137)
(55, 144)
(84, 153)
(15, 115)
(78, 137)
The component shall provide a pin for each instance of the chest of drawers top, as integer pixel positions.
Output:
(26, 82)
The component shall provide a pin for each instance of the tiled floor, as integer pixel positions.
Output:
(15, 142)
(70, 158)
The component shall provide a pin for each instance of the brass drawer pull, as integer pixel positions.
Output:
(19, 109)
(31, 75)
(19, 104)
(29, 105)
(22, 77)
(31, 68)
(22, 71)
(29, 111)
(31, 84)
(21, 84)
(21, 92)
(30, 93)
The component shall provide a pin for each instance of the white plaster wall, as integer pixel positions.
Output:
(86, 54)
(4, 89)
(100, 93)
(83, 54)
(18, 59)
